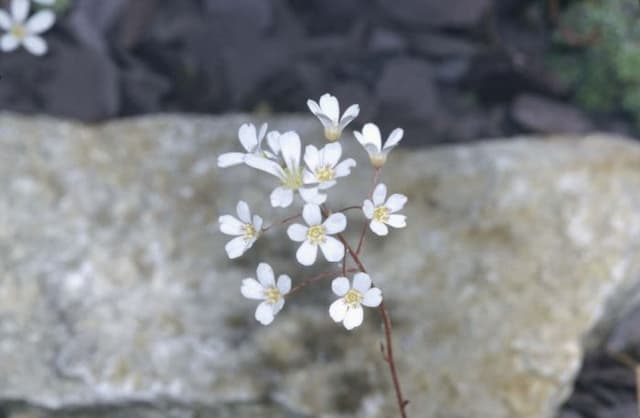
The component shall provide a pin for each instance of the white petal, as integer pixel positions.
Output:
(243, 212)
(353, 318)
(396, 202)
(331, 153)
(311, 157)
(281, 197)
(379, 194)
(248, 137)
(263, 164)
(367, 208)
(236, 247)
(19, 10)
(340, 286)
(371, 135)
(338, 310)
(35, 44)
(261, 134)
(394, 139)
(41, 21)
(290, 148)
(332, 249)
(273, 139)
(257, 222)
(307, 253)
(313, 107)
(230, 158)
(5, 20)
(311, 214)
(326, 184)
(297, 232)
(251, 289)
(308, 177)
(361, 282)
(8, 42)
(265, 275)
(372, 298)
(284, 284)
(264, 313)
(330, 107)
(312, 195)
(350, 114)
(344, 168)
(230, 225)
(397, 221)
(379, 228)
(277, 307)
(335, 223)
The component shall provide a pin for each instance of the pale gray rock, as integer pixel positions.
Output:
(117, 299)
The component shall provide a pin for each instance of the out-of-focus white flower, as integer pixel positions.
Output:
(268, 290)
(246, 230)
(317, 234)
(23, 31)
(328, 111)
(348, 309)
(251, 141)
(323, 167)
(290, 173)
(383, 213)
(371, 140)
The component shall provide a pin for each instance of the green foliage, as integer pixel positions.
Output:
(598, 53)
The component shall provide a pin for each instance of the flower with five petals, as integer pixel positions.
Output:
(23, 31)
(348, 309)
(323, 167)
(245, 228)
(382, 213)
(328, 112)
(371, 140)
(267, 289)
(318, 234)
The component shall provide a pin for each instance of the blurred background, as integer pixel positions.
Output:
(449, 71)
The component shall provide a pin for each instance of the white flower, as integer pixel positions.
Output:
(371, 140)
(251, 141)
(383, 213)
(317, 234)
(290, 173)
(268, 290)
(246, 230)
(328, 111)
(20, 31)
(323, 167)
(348, 309)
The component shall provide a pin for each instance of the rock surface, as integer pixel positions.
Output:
(117, 299)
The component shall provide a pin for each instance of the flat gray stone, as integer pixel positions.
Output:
(116, 290)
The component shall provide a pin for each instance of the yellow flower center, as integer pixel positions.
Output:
(19, 31)
(353, 298)
(378, 159)
(272, 295)
(292, 179)
(315, 234)
(249, 231)
(332, 133)
(381, 214)
(325, 174)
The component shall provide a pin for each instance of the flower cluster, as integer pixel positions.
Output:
(20, 29)
(309, 173)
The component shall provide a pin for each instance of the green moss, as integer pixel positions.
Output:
(597, 52)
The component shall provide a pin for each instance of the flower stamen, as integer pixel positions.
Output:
(249, 231)
(272, 295)
(325, 173)
(353, 298)
(292, 178)
(381, 214)
(19, 31)
(316, 234)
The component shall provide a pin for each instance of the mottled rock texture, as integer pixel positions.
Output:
(116, 297)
